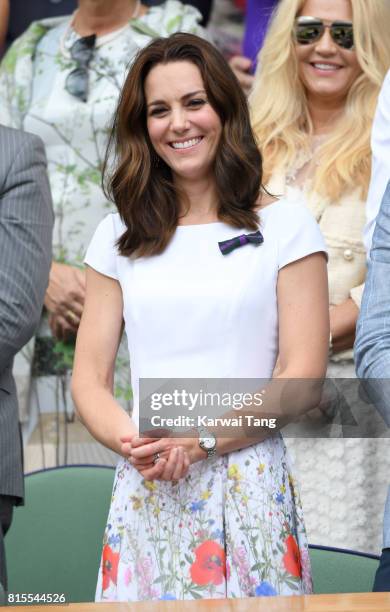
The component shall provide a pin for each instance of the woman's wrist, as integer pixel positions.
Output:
(195, 452)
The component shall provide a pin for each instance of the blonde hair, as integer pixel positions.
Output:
(280, 115)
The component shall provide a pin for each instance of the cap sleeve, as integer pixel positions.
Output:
(298, 233)
(102, 253)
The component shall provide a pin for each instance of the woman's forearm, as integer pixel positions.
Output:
(343, 319)
(97, 346)
(104, 418)
(285, 400)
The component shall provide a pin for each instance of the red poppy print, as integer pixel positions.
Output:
(292, 558)
(110, 566)
(209, 565)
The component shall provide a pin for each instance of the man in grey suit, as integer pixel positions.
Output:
(26, 223)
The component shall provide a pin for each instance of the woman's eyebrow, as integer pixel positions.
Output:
(188, 95)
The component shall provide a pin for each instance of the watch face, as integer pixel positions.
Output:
(208, 443)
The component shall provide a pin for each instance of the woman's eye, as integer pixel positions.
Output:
(159, 110)
(197, 102)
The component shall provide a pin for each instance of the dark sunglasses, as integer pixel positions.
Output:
(77, 81)
(310, 29)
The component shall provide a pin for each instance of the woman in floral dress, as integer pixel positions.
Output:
(203, 516)
(61, 80)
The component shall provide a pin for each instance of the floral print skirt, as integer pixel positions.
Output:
(232, 528)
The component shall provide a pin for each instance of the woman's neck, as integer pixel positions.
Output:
(200, 202)
(102, 16)
(324, 114)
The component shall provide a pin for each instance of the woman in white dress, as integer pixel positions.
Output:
(205, 515)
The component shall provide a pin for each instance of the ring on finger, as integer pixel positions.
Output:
(71, 315)
(156, 457)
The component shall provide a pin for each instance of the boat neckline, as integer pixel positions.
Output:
(260, 212)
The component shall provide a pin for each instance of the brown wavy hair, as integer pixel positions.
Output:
(141, 183)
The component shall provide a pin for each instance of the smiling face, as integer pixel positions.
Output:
(183, 127)
(327, 71)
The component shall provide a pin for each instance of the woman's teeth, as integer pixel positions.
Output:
(326, 66)
(186, 144)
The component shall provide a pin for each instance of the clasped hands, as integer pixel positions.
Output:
(161, 458)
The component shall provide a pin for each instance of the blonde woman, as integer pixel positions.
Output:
(313, 103)
(314, 97)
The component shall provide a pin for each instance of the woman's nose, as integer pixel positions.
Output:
(326, 44)
(179, 120)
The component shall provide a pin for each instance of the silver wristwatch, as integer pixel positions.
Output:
(207, 441)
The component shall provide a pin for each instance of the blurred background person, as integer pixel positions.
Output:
(372, 345)
(226, 26)
(61, 79)
(26, 222)
(4, 14)
(203, 6)
(382, 577)
(372, 349)
(313, 101)
(22, 13)
(380, 175)
(257, 17)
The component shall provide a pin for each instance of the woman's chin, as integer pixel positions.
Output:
(193, 174)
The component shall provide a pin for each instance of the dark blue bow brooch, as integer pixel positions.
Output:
(227, 246)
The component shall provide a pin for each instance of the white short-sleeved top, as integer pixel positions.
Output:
(192, 312)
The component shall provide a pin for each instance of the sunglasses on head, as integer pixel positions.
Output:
(310, 29)
(77, 81)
